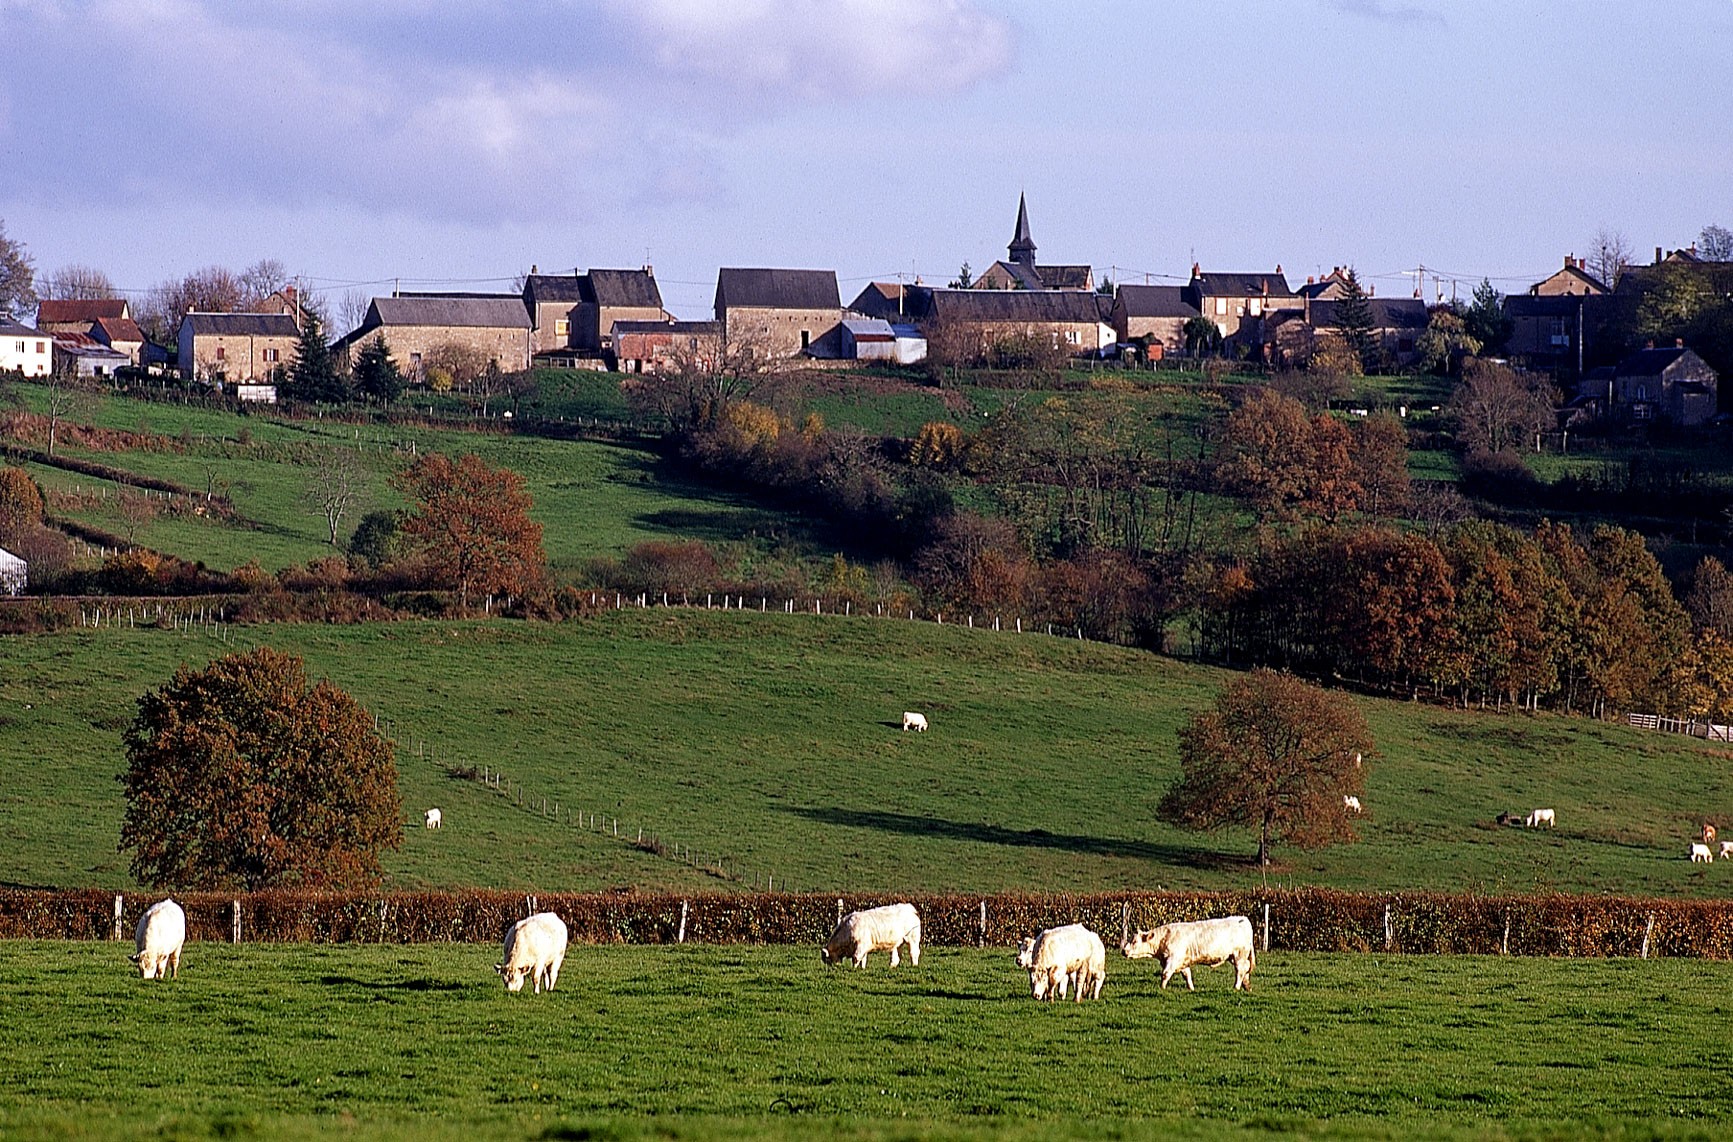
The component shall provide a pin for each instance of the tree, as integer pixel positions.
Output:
(241, 775)
(965, 278)
(1609, 256)
(1275, 753)
(1715, 244)
(1484, 320)
(20, 504)
(472, 524)
(17, 275)
(78, 283)
(375, 538)
(376, 374)
(1286, 462)
(1496, 408)
(700, 380)
(1445, 342)
(313, 374)
(1355, 323)
(210, 290)
(262, 279)
(337, 479)
(1202, 336)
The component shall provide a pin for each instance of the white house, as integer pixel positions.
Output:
(14, 573)
(23, 348)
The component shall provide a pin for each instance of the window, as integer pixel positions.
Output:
(271, 356)
(1073, 337)
(20, 348)
(221, 352)
(562, 327)
(1256, 306)
(1221, 307)
(805, 338)
(41, 346)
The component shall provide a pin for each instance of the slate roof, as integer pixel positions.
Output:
(241, 325)
(553, 288)
(776, 289)
(71, 310)
(11, 327)
(1156, 301)
(1242, 285)
(1017, 306)
(625, 288)
(479, 312)
(1650, 362)
(1387, 313)
(700, 328)
(879, 299)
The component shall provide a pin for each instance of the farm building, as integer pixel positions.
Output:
(785, 310)
(417, 327)
(1156, 312)
(868, 339)
(236, 346)
(24, 349)
(85, 356)
(14, 573)
(577, 312)
(651, 346)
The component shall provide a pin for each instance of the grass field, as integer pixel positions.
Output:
(773, 740)
(757, 1042)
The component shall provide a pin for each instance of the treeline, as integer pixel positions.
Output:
(1304, 920)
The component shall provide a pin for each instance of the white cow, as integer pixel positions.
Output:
(433, 819)
(1726, 849)
(1352, 804)
(534, 947)
(914, 721)
(875, 930)
(1058, 957)
(161, 932)
(1207, 942)
(1700, 854)
(1540, 817)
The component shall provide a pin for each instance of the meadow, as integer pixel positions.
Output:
(772, 744)
(734, 1041)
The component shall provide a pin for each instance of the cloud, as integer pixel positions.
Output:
(487, 111)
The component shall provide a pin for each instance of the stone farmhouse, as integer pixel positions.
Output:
(575, 314)
(108, 320)
(1230, 300)
(1672, 387)
(24, 349)
(1077, 322)
(786, 311)
(495, 326)
(655, 346)
(240, 348)
(1155, 312)
(1022, 272)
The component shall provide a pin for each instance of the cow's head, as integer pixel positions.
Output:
(1026, 952)
(514, 976)
(1044, 982)
(146, 968)
(1144, 944)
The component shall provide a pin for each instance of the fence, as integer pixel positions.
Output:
(1710, 731)
(1304, 920)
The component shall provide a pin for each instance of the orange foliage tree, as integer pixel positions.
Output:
(1287, 462)
(472, 524)
(243, 775)
(1274, 753)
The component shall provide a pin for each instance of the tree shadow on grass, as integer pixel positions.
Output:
(910, 825)
(394, 985)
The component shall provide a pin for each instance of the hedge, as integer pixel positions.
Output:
(1313, 920)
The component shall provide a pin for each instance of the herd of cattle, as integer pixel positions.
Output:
(1070, 959)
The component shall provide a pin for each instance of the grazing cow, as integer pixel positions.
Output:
(875, 930)
(914, 721)
(1708, 833)
(433, 819)
(1061, 957)
(1207, 942)
(1726, 849)
(534, 948)
(1352, 804)
(1700, 854)
(161, 932)
(1540, 817)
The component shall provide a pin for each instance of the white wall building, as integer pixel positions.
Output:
(28, 350)
(14, 573)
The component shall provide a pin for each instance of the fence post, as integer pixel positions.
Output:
(839, 910)
(117, 909)
(1647, 932)
(681, 938)
(1389, 935)
(235, 922)
(1125, 923)
(983, 941)
(1504, 947)
(1266, 925)
(382, 921)
(529, 906)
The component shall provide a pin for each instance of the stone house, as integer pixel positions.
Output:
(1156, 312)
(24, 349)
(578, 311)
(1077, 323)
(1022, 272)
(784, 310)
(652, 346)
(494, 326)
(1231, 299)
(1663, 386)
(1331, 287)
(1397, 323)
(236, 347)
(121, 334)
(1574, 278)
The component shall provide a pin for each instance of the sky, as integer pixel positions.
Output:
(447, 145)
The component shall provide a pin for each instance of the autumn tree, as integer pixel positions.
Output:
(242, 775)
(1286, 462)
(1274, 753)
(20, 504)
(1709, 601)
(1445, 342)
(1497, 409)
(471, 523)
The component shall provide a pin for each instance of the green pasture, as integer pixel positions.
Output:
(772, 743)
(740, 1042)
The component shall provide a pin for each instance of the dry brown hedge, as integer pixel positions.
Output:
(1300, 920)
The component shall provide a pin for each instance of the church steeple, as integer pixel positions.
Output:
(1022, 246)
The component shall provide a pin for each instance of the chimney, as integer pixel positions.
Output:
(1570, 261)
(1309, 280)
(1649, 344)
(1678, 342)
(1657, 255)
(649, 270)
(1278, 267)
(1196, 270)
(532, 267)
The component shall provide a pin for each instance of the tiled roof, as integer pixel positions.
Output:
(699, 328)
(114, 329)
(70, 310)
(776, 289)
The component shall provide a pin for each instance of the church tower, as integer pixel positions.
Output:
(1022, 246)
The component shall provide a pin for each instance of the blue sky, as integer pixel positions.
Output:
(459, 143)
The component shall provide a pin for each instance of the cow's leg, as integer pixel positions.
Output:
(915, 948)
(174, 963)
(895, 958)
(1186, 972)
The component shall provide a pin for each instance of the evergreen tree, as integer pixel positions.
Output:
(1355, 322)
(1484, 318)
(313, 376)
(376, 374)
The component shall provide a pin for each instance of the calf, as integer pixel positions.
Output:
(875, 930)
(1058, 957)
(1352, 804)
(1726, 849)
(535, 948)
(1207, 942)
(162, 930)
(433, 819)
(1700, 854)
(914, 721)
(1540, 817)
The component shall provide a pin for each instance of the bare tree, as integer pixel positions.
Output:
(701, 380)
(336, 482)
(1609, 255)
(1715, 244)
(1496, 408)
(17, 275)
(68, 397)
(136, 510)
(262, 279)
(210, 290)
(351, 310)
(77, 283)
